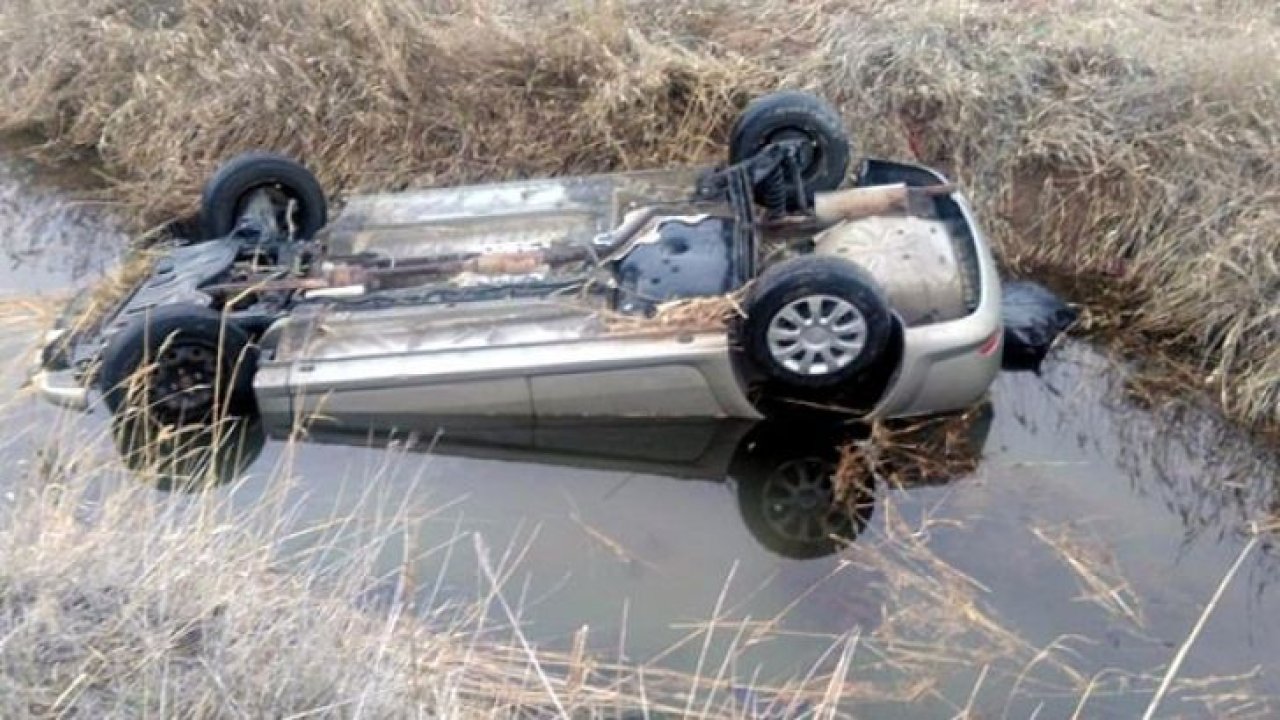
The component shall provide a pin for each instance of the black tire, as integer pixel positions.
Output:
(189, 459)
(200, 367)
(225, 195)
(794, 114)
(786, 492)
(794, 284)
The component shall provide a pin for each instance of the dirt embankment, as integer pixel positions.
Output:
(1132, 142)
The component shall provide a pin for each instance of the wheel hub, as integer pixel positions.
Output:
(183, 380)
(270, 206)
(806, 148)
(817, 335)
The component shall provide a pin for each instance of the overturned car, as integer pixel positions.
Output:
(736, 291)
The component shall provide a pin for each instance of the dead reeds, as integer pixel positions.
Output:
(1101, 580)
(687, 315)
(118, 601)
(927, 451)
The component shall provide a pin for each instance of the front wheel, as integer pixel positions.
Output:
(179, 365)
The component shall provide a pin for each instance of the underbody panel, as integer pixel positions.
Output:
(514, 216)
(542, 359)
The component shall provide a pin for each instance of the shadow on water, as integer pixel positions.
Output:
(783, 474)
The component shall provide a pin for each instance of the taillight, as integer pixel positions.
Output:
(990, 345)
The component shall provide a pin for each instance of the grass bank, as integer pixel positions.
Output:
(1130, 142)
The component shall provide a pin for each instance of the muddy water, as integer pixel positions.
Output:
(643, 533)
(53, 239)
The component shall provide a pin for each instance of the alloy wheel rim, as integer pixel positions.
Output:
(817, 335)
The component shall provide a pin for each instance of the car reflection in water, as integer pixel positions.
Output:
(784, 473)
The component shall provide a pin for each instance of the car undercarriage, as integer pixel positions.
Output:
(402, 302)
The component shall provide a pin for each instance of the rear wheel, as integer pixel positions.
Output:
(814, 322)
(824, 147)
(272, 186)
(179, 365)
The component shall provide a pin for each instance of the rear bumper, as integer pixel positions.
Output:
(949, 366)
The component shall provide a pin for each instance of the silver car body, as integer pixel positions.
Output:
(555, 357)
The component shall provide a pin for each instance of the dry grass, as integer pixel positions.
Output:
(911, 453)
(1096, 570)
(703, 314)
(1134, 142)
(118, 601)
(937, 617)
(938, 623)
(132, 614)
(27, 315)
